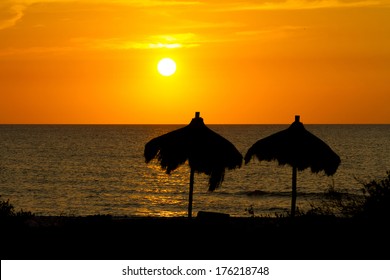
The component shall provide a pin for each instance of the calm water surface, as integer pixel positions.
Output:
(100, 169)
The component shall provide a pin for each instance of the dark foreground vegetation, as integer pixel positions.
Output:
(361, 231)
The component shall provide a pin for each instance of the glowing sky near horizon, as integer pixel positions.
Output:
(238, 62)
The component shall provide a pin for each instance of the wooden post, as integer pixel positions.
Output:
(294, 191)
(190, 193)
(197, 120)
(294, 182)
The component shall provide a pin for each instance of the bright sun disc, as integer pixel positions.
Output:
(166, 67)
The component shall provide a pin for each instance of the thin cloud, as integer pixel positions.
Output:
(10, 14)
(272, 33)
(167, 41)
(301, 4)
(138, 3)
(155, 3)
(36, 51)
(208, 25)
(11, 11)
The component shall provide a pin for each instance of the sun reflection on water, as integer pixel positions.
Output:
(87, 170)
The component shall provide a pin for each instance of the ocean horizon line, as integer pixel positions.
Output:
(174, 124)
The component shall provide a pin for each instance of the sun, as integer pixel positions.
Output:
(166, 67)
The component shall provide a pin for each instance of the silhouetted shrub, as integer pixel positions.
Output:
(377, 198)
(374, 203)
(336, 203)
(8, 210)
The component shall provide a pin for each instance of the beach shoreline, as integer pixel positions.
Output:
(207, 237)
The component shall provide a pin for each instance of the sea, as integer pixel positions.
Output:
(82, 170)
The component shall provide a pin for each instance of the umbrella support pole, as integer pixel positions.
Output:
(294, 191)
(190, 193)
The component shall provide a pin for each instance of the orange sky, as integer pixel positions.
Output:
(249, 62)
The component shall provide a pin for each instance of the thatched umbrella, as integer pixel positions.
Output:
(298, 148)
(205, 150)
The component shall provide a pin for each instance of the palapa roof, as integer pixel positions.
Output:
(297, 147)
(205, 150)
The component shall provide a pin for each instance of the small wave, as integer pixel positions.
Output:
(264, 193)
(260, 193)
(256, 193)
(277, 209)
